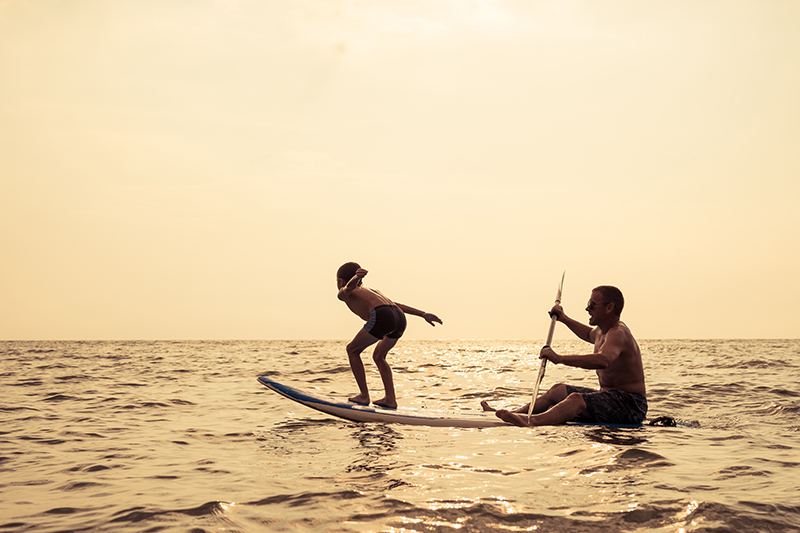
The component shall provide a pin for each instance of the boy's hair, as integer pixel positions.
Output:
(347, 271)
(612, 295)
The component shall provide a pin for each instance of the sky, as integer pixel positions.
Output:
(199, 170)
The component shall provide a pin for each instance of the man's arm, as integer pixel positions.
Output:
(582, 331)
(612, 348)
(430, 318)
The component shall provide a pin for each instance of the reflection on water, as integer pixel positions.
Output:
(177, 436)
(617, 436)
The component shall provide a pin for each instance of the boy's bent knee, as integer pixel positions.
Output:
(354, 349)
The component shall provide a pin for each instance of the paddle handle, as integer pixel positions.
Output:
(540, 375)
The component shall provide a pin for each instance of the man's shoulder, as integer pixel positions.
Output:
(622, 328)
(627, 339)
(622, 334)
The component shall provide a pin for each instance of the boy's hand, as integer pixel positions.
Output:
(361, 272)
(430, 318)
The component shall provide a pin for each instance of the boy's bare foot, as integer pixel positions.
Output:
(383, 402)
(362, 399)
(486, 406)
(512, 418)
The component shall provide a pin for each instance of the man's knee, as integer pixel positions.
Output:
(576, 404)
(557, 392)
(576, 398)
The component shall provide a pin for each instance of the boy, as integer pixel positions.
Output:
(385, 324)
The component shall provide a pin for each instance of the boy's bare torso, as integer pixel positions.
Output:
(363, 300)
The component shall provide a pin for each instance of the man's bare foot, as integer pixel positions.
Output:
(512, 418)
(486, 406)
(383, 402)
(363, 399)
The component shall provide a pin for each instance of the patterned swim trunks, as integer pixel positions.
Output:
(386, 321)
(612, 406)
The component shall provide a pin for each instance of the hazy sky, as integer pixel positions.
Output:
(175, 169)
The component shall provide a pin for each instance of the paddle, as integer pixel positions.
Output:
(553, 321)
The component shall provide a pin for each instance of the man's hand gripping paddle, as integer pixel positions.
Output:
(553, 321)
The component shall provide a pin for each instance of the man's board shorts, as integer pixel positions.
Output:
(612, 406)
(386, 321)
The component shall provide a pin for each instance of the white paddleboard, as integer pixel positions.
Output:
(373, 413)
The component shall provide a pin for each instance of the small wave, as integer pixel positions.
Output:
(734, 472)
(27, 383)
(735, 519)
(32, 483)
(80, 485)
(154, 404)
(781, 410)
(306, 498)
(634, 458)
(51, 366)
(137, 515)
(62, 510)
(178, 401)
(81, 434)
(39, 440)
(785, 392)
(472, 396)
(74, 377)
(460, 466)
(759, 364)
(59, 398)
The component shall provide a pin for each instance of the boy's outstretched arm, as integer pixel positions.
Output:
(430, 318)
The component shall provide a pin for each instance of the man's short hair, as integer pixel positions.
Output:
(612, 295)
(347, 271)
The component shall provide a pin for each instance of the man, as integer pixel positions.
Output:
(385, 324)
(621, 398)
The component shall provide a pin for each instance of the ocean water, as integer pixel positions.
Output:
(179, 437)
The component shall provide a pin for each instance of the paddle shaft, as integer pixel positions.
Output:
(540, 376)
